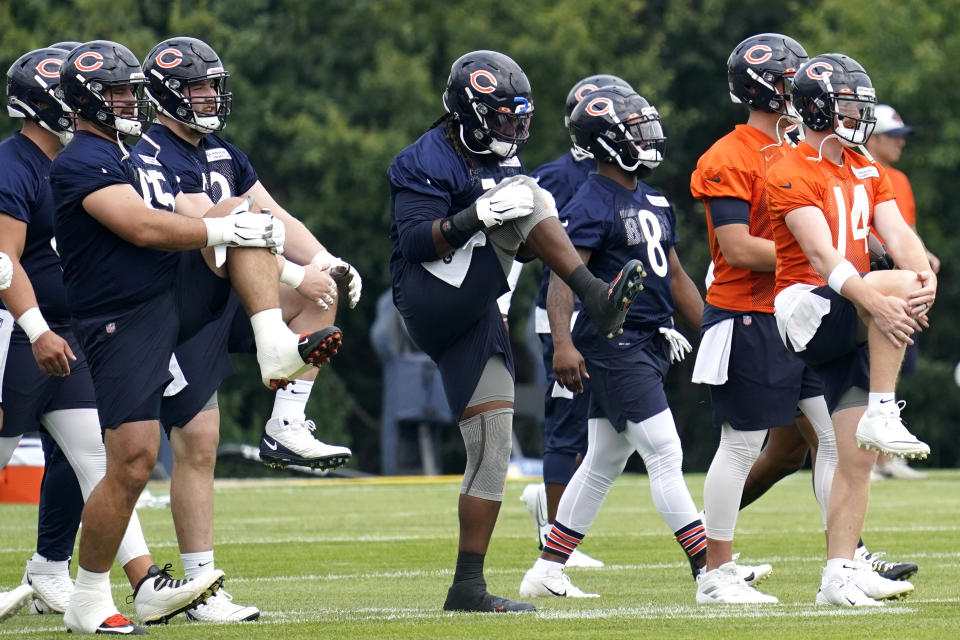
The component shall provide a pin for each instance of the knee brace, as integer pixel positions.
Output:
(488, 438)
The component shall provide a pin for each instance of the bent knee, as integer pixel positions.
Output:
(896, 282)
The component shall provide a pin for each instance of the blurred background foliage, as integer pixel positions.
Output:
(328, 91)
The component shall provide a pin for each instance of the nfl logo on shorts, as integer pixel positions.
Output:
(747, 321)
(110, 327)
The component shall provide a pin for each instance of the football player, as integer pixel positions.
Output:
(186, 82)
(565, 414)
(852, 329)
(138, 282)
(460, 211)
(615, 217)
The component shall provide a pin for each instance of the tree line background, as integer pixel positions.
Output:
(326, 92)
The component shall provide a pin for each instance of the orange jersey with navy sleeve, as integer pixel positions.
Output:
(736, 167)
(845, 194)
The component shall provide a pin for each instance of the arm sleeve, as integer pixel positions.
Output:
(723, 211)
(414, 214)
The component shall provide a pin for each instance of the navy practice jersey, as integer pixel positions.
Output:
(618, 225)
(561, 177)
(25, 195)
(215, 167)
(103, 272)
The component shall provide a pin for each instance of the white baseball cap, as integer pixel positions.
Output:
(889, 122)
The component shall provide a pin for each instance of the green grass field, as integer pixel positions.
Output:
(373, 559)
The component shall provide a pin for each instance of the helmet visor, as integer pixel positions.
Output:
(855, 118)
(647, 140)
(510, 127)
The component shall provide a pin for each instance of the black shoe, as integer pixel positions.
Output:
(621, 294)
(891, 570)
(466, 596)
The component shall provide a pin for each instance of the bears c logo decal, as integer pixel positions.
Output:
(92, 66)
(489, 81)
(49, 68)
(584, 90)
(169, 58)
(819, 70)
(599, 106)
(758, 54)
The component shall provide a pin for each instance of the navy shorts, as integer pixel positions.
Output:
(28, 393)
(564, 419)
(626, 373)
(838, 350)
(460, 328)
(205, 363)
(764, 380)
(129, 350)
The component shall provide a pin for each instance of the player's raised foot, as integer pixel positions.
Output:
(285, 442)
(473, 596)
(888, 569)
(288, 356)
(723, 585)
(884, 431)
(548, 580)
(12, 601)
(607, 315)
(51, 585)
(220, 608)
(752, 574)
(842, 591)
(158, 597)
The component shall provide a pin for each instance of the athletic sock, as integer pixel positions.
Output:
(562, 541)
(882, 402)
(591, 290)
(291, 402)
(693, 539)
(196, 563)
(469, 567)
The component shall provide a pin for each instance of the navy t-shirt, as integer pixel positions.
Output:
(25, 195)
(214, 167)
(618, 225)
(104, 273)
(561, 177)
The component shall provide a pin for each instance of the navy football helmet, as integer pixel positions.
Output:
(755, 66)
(832, 91)
(616, 125)
(66, 45)
(32, 83)
(89, 77)
(489, 96)
(587, 85)
(171, 67)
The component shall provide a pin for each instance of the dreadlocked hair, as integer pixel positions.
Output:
(451, 131)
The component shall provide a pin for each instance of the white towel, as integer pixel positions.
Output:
(453, 269)
(6, 329)
(799, 313)
(713, 355)
(179, 382)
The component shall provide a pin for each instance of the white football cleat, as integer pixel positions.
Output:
(51, 585)
(885, 433)
(159, 596)
(12, 601)
(92, 611)
(842, 591)
(550, 582)
(723, 585)
(285, 442)
(534, 497)
(220, 608)
(876, 586)
(753, 574)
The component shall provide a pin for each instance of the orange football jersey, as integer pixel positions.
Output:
(846, 195)
(736, 167)
(904, 195)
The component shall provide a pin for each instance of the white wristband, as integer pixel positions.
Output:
(840, 274)
(292, 274)
(33, 324)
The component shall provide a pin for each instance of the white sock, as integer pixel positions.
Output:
(835, 566)
(268, 322)
(291, 403)
(547, 566)
(197, 563)
(885, 402)
(93, 581)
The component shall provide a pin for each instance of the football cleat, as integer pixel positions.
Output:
(12, 601)
(621, 294)
(752, 574)
(534, 497)
(285, 442)
(887, 569)
(876, 586)
(117, 625)
(842, 591)
(51, 585)
(93, 611)
(284, 363)
(158, 597)
(473, 596)
(555, 583)
(885, 433)
(898, 469)
(723, 585)
(220, 608)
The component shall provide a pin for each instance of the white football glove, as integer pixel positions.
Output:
(246, 229)
(6, 271)
(679, 346)
(509, 202)
(343, 273)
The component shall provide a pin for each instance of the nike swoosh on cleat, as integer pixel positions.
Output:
(271, 446)
(852, 603)
(563, 594)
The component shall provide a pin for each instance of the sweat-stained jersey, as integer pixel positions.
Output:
(736, 166)
(845, 194)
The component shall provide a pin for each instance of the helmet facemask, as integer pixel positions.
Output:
(854, 115)
(502, 131)
(203, 113)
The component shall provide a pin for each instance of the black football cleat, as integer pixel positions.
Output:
(473, 597)
(315, 349)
